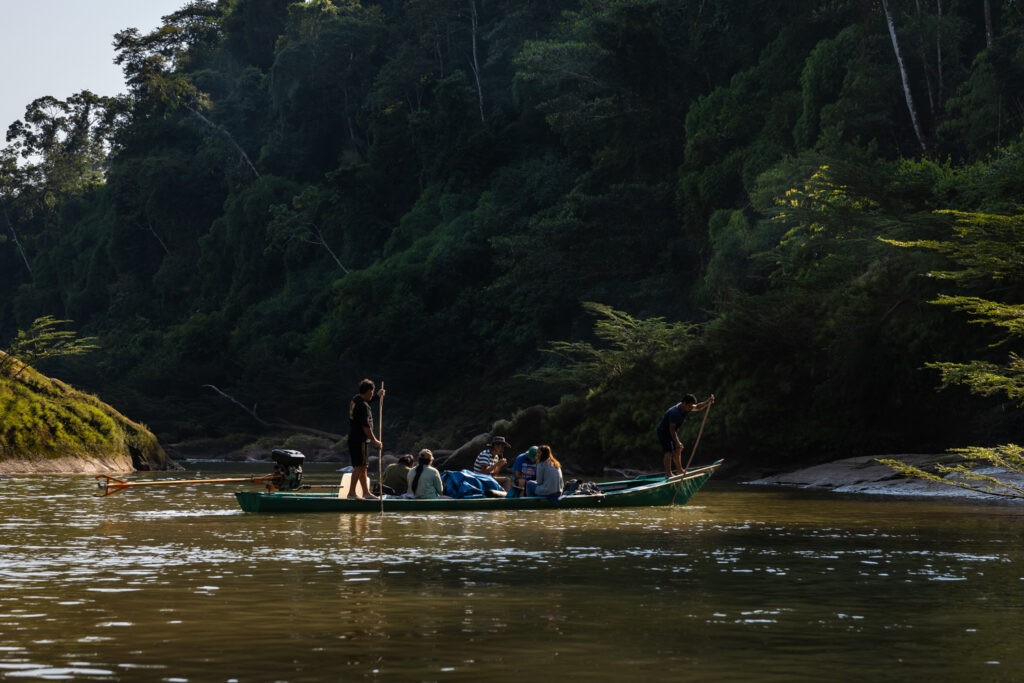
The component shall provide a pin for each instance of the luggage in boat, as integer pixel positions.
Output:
(470, 484)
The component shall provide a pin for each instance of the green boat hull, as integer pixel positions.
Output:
(644, 492)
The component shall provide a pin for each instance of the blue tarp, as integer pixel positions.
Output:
(468, 484)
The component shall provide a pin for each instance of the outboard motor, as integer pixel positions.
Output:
(288, 468)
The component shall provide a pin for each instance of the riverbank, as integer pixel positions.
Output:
(49, 427)
(865, 475)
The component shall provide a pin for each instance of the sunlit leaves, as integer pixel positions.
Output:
(627, 343)
(986, 246)
(44, 339)
(970, 473)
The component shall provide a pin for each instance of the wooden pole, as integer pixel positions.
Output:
(380, 451)
(697, 442)
(109, 485)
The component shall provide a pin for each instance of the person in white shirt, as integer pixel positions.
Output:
(491, 461)
(425, 480)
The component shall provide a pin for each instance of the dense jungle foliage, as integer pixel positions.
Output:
(491, 204)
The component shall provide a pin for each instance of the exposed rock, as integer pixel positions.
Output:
(865, 474)
(522, 431)
(463, 456)
(47, 426)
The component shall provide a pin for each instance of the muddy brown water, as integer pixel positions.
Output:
(177, 584)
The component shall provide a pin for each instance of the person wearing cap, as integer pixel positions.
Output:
(524, 469)
(668, 429)
(491, 461)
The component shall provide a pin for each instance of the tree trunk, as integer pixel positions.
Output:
(988, 24)
(903, 76)
(321, 241)
(17, 242)
(938, 48)
(924, 64)
(157, 236)
(224, 131)
(476, 62)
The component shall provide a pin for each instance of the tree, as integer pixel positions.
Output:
(43, 340)
(155, 66)
(986, 247)
(8, 171)
(628, 343)
(66, 141)
(303, 221)
(911, 107)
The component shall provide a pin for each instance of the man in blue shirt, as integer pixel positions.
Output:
(524, 469)
(668, 429)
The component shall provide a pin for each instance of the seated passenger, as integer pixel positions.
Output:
(396, 476)
(524, 469)
(491, 461)
(549, 475)
(425, 481)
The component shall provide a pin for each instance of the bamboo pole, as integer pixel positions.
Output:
(697, 442)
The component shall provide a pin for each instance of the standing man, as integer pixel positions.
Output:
(491, 461)
(360, 433)
(668, 429)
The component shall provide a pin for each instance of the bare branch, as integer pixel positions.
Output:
(279, 424)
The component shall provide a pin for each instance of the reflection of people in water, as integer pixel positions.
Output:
(353, 526)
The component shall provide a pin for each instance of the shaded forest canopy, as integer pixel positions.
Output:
(293, 196)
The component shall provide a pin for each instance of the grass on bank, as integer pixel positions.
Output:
(41, 417)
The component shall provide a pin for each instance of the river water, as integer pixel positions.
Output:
(177, 584)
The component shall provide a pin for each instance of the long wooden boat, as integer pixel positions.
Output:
(648, 491)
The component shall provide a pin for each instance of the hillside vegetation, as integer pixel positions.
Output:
(294, 196)
(47, 426)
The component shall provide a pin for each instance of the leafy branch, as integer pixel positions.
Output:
(43, 340)
(629, 343)
(986, 247)
(1008, 458)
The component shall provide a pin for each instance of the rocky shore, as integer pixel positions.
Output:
(865, 475)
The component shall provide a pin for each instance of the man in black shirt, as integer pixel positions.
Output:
(360, 433)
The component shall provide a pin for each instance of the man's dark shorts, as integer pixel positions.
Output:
(667, 444)
(357, 451)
